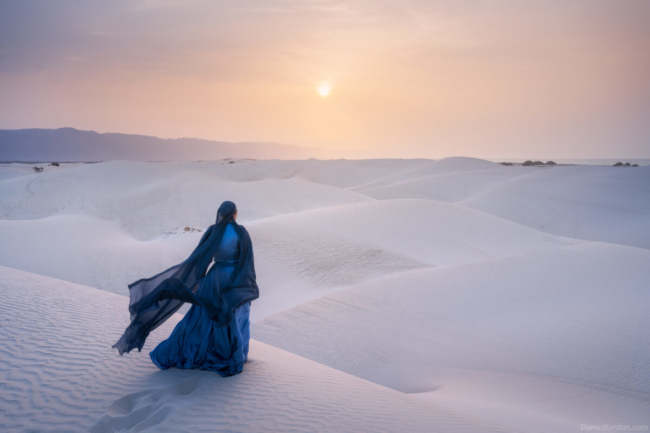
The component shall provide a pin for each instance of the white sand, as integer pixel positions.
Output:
(567, 318)
(458, 283)
(583, 202)
(59, 374)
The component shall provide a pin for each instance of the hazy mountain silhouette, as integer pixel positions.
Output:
(72, 145)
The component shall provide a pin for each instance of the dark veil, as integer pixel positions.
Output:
(156, 299)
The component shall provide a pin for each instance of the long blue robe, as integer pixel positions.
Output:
(197, 341)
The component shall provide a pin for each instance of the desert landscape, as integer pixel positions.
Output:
(324, 216)
(452, 295)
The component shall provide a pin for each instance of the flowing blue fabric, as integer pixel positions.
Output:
(153, 300)
(197, 341)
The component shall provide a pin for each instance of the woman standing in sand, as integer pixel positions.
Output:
(214, 333)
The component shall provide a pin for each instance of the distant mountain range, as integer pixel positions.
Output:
(73, 145)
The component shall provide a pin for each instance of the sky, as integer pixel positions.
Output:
(408, 78)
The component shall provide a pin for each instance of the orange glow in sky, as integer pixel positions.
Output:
(534, 79)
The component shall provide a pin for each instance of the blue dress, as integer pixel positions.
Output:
(196, 342)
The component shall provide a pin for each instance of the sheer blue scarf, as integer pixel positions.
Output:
(154, 300)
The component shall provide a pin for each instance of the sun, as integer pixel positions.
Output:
(324, 89)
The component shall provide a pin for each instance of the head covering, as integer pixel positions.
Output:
(154, 300)
(226, 210)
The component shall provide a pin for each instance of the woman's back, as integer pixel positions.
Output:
(228, 249)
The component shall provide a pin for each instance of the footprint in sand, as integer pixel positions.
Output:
(141, 410)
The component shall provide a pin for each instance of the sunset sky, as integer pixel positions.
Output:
(490, 79)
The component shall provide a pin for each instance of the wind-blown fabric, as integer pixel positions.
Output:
(196, 341)
(154, 300)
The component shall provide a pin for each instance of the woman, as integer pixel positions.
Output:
(214, 333)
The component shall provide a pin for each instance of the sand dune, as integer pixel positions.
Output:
(9, 171)
(130, 216)
(584, 202)
(150, 199)
(448, 187)
(60, 375)
(572, 315)
(457, 283)
(299, 256)
(305, 255)
(433, 232)
(88, 250)
(341, 173)
(443, 166)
